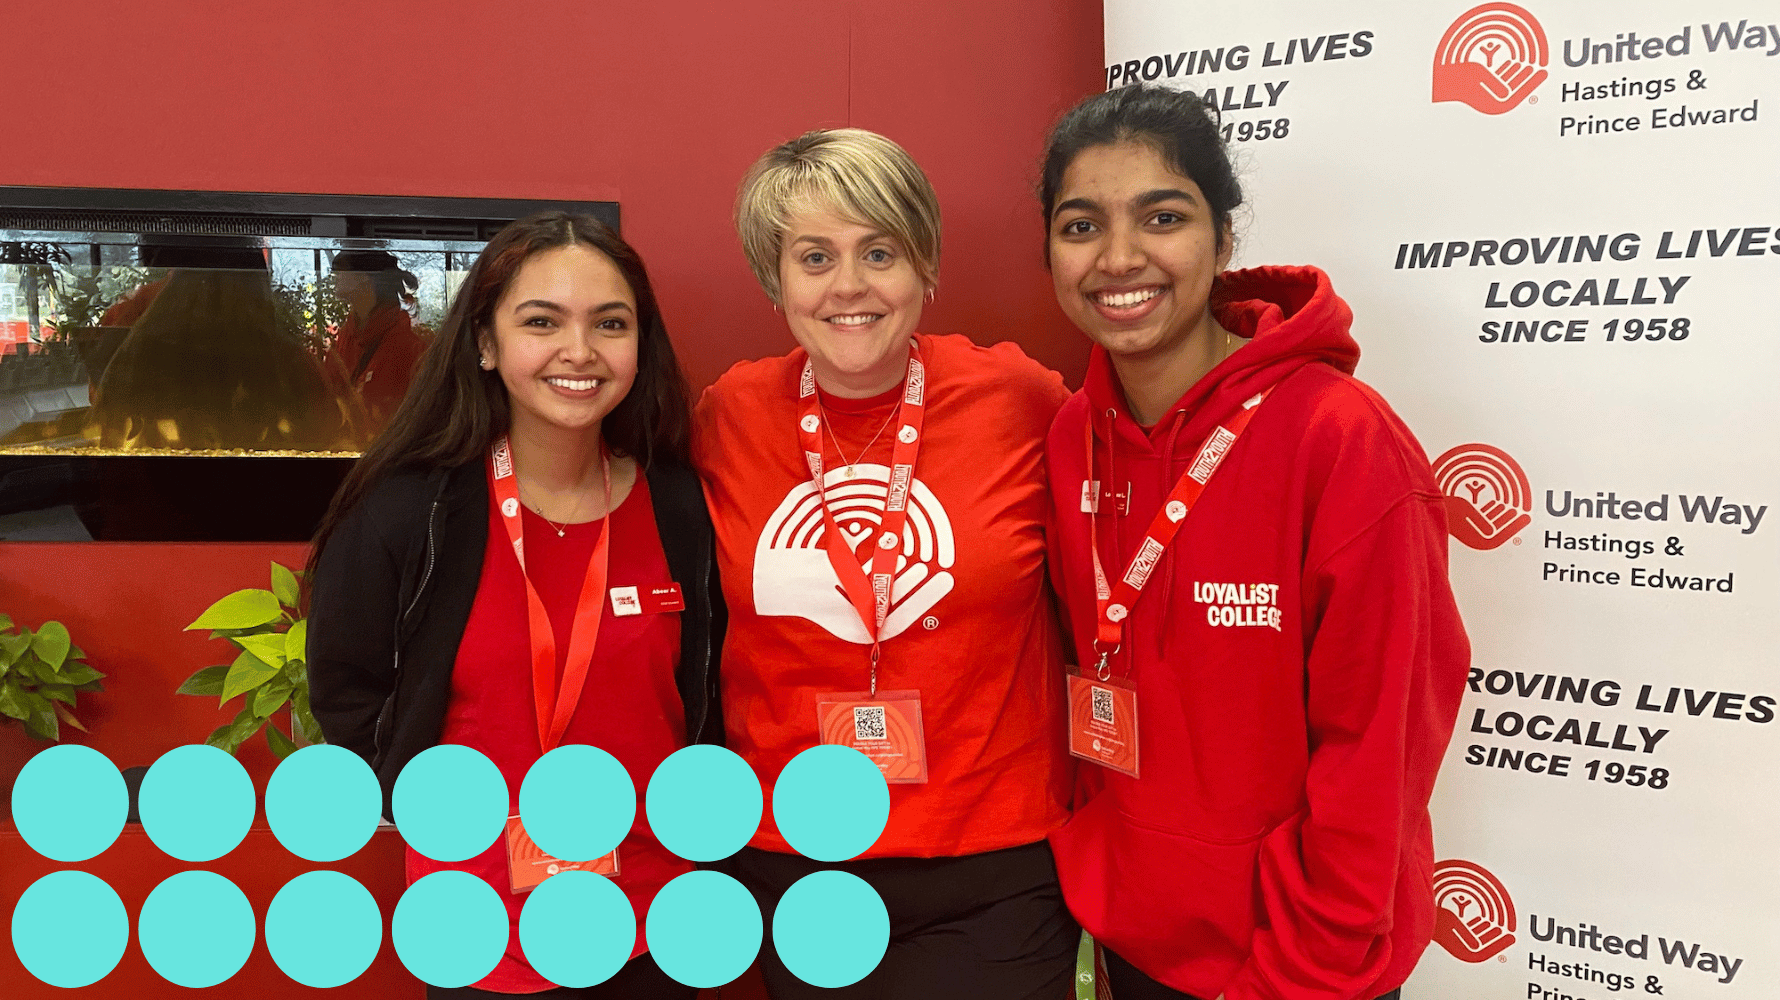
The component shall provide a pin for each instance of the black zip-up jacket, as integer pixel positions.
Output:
(392, 594)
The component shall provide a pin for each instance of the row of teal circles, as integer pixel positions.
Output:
(450, 803)
(323, 929)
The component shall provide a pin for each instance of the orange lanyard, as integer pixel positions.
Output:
(870, 596)
(1113, 603)
(555, 707)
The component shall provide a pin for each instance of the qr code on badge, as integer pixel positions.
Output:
(1103, 706)
(868, 723)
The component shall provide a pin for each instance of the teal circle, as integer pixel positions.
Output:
(450, 803)
(831, 928)
(69, 929)
(577, 929)
(196, 803)
(831, 803)
(323, 803)
(703, 929)
(577, 802)
(196, 929)
(450, 929)
(704, 803)
(323, 928)
(69, 802)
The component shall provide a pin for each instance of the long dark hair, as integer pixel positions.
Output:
(1176, 123)
(454, 410)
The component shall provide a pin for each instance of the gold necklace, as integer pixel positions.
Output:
(560, 529)
(837, 441)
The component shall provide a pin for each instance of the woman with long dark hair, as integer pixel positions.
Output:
(1252, 554)
(542, 441)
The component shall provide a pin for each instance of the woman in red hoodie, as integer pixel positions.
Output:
(1254, 571)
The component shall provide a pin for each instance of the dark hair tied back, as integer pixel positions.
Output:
(1175, 122)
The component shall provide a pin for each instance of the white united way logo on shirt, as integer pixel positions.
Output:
(792, 576)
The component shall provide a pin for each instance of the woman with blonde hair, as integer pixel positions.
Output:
(879, 500)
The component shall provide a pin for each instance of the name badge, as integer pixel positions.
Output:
(647, 600)
(1103, 722)
(528, 866)
(886, 729)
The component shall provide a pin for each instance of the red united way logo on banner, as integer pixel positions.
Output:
(1492, 58)
(1488, 498)
(1475, 918)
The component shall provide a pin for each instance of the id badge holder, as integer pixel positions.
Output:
(1103, 722)
(886, 728)
(528, 865)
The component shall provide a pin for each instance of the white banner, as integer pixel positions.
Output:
(1559, 228)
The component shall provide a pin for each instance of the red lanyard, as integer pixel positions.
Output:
(870, 597)
(555, 707)
(1113, 603)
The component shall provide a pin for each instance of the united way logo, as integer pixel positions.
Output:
(1488, 499)
(1475, 918)
(792, 574)
(1492, 58)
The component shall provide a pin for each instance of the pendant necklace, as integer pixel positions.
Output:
(837, 441)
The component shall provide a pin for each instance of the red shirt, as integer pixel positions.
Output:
(1299, 662)
(384, 380)
(630, 708)
(971, 624)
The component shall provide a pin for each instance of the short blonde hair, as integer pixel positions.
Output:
(856, 174)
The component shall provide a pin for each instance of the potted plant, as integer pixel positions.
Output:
(267, 673)
(39, 674)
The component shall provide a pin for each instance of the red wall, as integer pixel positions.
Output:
(659, 105)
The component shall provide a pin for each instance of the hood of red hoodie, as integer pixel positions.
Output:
(1290, 316)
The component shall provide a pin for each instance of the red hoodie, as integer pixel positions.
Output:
(1277, 845)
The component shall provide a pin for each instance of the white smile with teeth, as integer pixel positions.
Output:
(859, 319)
(1119, 300)
(574, 384)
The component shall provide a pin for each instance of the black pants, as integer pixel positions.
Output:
(640, 978)
(1129, 984)
(988, 926)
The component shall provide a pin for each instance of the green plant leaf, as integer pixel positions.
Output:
(296, 641)
(284, 585)
(41, 718)
(12, 702)
(270, 696)
(90, 686)
(242, 609)
(231, 736)
(302, 719)
(63, 693)
(76, 653)
(14, 646)
(208, 681)
(281, 744)
(32, 671)
(246, 673)
(78, 674)
(267, 646)
(52, 644)
(5, 623)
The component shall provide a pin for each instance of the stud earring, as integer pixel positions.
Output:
(483, 361)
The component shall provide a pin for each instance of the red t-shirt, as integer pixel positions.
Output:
(971, 625)
(385, 379)
(630, 707)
